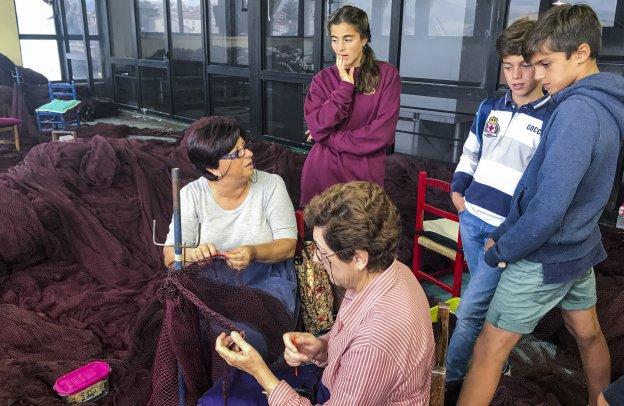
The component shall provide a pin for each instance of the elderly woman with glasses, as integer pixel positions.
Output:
(380, 350)
(237, 211)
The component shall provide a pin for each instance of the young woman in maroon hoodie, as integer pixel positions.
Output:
(351, 109)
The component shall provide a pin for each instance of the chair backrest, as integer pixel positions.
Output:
(438, 376)
(64, 91)
(421, 204)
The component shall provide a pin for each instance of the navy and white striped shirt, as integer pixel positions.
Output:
(511, 135)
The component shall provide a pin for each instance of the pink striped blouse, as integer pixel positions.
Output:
(381, 348)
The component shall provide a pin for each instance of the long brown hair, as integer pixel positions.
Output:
(369, 69)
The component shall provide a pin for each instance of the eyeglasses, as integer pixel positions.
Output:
(237, 153)
(324, 258)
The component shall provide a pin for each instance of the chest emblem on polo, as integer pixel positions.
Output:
(492, 127)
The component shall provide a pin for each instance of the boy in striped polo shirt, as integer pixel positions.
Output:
(503, 138)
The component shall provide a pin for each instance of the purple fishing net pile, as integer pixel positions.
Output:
(80, 278)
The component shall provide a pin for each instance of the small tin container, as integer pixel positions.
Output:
(85, 384)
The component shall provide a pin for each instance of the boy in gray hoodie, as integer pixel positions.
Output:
(550, 241)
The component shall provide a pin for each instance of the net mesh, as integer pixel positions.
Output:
(196, 305)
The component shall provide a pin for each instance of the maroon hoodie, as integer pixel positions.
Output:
(352, 130)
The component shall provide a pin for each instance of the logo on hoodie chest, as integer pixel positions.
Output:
(492, 127)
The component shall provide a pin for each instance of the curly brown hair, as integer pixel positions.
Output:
(509, 43)
(357, 216)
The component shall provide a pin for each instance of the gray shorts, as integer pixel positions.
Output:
(522, 298)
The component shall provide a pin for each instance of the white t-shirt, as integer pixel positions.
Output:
(265, 215)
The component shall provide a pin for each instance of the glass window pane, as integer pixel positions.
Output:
(79, 69)
(523, 8)
(152, 20)
(612, 21)
(378, 18)
(188, 89)
(618, 69)
(102, 73)
(126, 84)
(92, 17)
(606, 10)
(186, 35)
(122, 33)
(433, 128)
(41, 56)
(230, 98)
(228, 33)
(77, 47)
(188, 58)
(289, 43)
(445, 40)
(155, 89)
(35, 17)
(73, 17)
(284, 120)
(96, 59)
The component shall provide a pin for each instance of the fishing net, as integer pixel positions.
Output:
(198, 307)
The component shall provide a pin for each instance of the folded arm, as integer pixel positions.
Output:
(324, 110)
(379, 133)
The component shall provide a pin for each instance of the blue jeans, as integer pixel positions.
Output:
(476, 297)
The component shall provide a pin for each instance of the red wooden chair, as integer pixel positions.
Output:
(440, 235)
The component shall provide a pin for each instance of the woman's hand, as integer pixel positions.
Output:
(302, 347)
(239, 354)
(200, 252)
(240, 257)
(344, 75)
(458, 202)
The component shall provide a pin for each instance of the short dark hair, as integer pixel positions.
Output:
(563, 29)
(357, 216)
(509, 43)
(210, 138)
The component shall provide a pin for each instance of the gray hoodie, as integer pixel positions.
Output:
(556, 206)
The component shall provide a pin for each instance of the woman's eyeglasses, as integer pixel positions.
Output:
(324, 257)
(237, 153)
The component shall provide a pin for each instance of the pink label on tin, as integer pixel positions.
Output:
(81, 378)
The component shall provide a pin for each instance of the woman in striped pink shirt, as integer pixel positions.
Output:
(380, 350)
